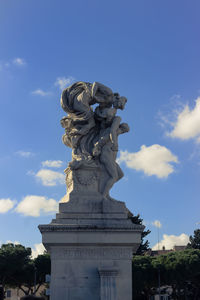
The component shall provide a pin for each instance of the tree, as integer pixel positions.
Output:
(43, 267)
(19, 270)
(144, 276)
(13, 258)
(178, 269)
(144, 246)
(194, 240)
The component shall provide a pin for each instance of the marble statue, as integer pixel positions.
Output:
(93, 133)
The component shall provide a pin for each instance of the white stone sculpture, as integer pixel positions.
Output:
(93, 134)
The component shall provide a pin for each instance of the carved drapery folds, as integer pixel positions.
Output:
(93, 135)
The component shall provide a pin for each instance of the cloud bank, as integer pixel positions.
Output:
(50, 178)
(187, 124)
(34, 206)
(52, 163)
(169, 241)
(153, 160)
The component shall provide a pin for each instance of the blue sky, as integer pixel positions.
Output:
(147, 51)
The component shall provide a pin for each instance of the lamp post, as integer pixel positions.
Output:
(158, 266)
(35, 275)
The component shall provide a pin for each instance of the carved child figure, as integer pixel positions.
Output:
(107, 146)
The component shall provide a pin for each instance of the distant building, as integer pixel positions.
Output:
(16, 294)
(164, 251)
(179, 248)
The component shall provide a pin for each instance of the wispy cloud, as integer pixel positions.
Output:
(6, 205)
(19, 61)
(25, 154)
(153, 160)
(157, 224)
(11, 242)
(63, 82)
(169, 241)
(50, 178)
(42, 93)
(34, 206)
(52, 163)
(7, 65)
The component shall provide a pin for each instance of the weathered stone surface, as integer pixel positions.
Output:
(82, 246)
(80, 253)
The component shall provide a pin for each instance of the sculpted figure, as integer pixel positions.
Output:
(106, 147)
(93, 135)
(76, 101)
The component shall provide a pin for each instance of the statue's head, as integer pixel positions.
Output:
(119, 102)
(124, 127)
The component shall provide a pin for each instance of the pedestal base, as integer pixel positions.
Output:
(91, 253)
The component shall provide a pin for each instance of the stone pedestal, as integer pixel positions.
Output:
(91, 242)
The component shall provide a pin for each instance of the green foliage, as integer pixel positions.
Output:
(12, 259)
(17, 268)
(180, 270)
(144, 275)
(194, 240)
(43, 266)
(144, 246)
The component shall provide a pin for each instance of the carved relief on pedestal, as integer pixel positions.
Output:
(92, 253)
(82, 180)
(86, 178)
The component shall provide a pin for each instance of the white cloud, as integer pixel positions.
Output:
(169, 241)
(19, 61)
(52, 163)
(11, 242)
(34, 206)
(157, 224)
(50, 178)
(41, 93)
(63, 82)
(187, 125)
(37, 250)
(153, 160)
(24, 153)
(6, 205)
